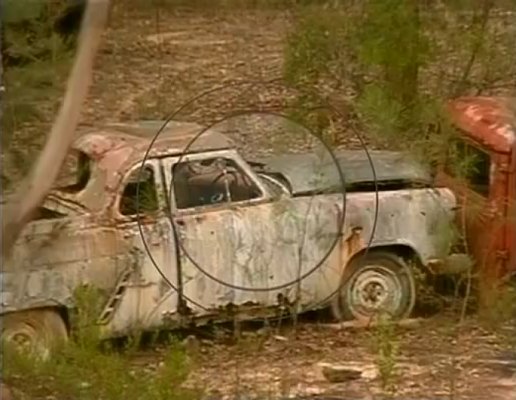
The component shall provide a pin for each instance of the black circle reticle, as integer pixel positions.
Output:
(311, 270)
(247, 112)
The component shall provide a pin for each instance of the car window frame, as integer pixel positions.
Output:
(158, 181)
(169, 162)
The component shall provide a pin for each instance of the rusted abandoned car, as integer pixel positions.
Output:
(213, 237)
(486, 137)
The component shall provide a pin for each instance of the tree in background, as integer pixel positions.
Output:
(392, 64)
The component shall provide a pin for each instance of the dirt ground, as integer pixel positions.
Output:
(152, 64)
(434, 361)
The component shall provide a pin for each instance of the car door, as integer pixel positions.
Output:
(240, 244)
(474, 174)
(145, 242)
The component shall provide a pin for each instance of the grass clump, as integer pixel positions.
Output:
(88, 368)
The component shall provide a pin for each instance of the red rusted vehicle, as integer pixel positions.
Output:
(486, 194)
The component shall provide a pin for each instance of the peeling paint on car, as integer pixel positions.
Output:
(246, 258)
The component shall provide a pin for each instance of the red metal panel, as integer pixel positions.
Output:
(489, 122)
(487, 119)
(511, 236)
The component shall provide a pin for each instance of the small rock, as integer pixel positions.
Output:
(213, 395)
(85, 385)
(263, 332)
(191, 343)
(340, 373)
(313, 390)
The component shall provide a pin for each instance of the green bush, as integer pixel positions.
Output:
(36, 62)
(90, 369)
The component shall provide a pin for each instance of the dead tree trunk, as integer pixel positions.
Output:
(39, 181)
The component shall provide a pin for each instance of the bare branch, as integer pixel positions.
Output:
(38, 183)
(482, 20)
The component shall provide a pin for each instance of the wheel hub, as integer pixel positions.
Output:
(374, 293)
(25, 341)
(375, 288)
(22, 340)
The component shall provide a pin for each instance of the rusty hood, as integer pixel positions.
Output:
(489, 120)
(307, 173)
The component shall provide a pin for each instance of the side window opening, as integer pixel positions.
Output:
(148, 195)
(76, 172)
(211, 181)
(470, 163)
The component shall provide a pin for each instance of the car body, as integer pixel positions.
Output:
(150, 223)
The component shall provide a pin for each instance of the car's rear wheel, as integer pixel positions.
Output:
(37, 332)
(373, 284)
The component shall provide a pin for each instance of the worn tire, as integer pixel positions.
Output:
(375, 282)
(37, 331)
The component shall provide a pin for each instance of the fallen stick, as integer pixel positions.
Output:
(363, 324)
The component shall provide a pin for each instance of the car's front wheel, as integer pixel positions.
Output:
(375, 283)
(37, 332)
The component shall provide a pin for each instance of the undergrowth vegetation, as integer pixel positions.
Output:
(88, 367)
(391, 66)
(36, 62)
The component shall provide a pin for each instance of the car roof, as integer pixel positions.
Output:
(155, 137)
(489, 120)
(116, 147)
